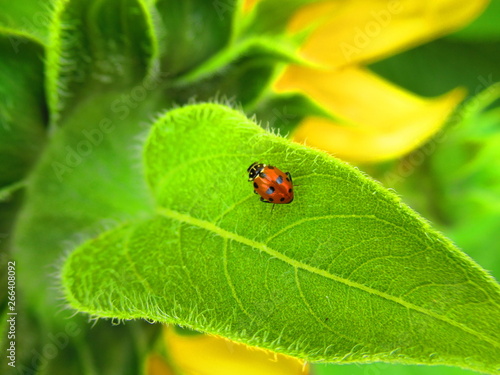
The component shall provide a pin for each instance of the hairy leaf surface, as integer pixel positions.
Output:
(97, 46)
(193, 30)
(346, 273)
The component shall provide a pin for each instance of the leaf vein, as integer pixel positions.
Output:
(126, 247)
(294, 263)
(311, 311)
(230, 282)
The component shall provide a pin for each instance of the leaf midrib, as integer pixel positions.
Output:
(296, 264)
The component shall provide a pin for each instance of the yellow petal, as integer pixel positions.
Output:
(382, 121)
(213, 355)
(366, 30)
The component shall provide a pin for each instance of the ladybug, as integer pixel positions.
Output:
(273, 185)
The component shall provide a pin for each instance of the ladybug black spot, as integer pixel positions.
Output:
(271, 200)
(270, 190)
(282, 199)
(255, 185)
(290, 190)
(270, 167)
(279, 180)
(262, 175)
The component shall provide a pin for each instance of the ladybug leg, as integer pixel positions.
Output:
(290, 177)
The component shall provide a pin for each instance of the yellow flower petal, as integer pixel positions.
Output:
(366, 30)
(382, 121)
(218, 356)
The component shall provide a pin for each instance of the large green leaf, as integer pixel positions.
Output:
(29, 17)
(346, 273)
(23, 113)
(87, 178)
(97, 46)
(102, 89)
(387, 369)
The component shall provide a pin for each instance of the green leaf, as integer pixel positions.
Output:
(88, 178)
(346, 273)
(103, 90)
(387, 369)
(23, 113)
(30, 17)
(274, 49)
(272, 16)
(191, 31)
(244, 81)
(7, 191)
(97, 46)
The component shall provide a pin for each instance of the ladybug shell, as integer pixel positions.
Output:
(273, 185)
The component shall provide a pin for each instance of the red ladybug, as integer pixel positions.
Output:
(271, 184)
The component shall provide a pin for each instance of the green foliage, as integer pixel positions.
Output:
(191, 31)
(272, 16)
(22, 112)
(225, 264)
(93, 50)
(284, 112)
(29, 18)
(388, 369)
(453, 180)
(81, 81)
(485, 27)
(467, 178)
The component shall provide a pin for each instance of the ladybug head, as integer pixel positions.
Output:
(254, 170)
